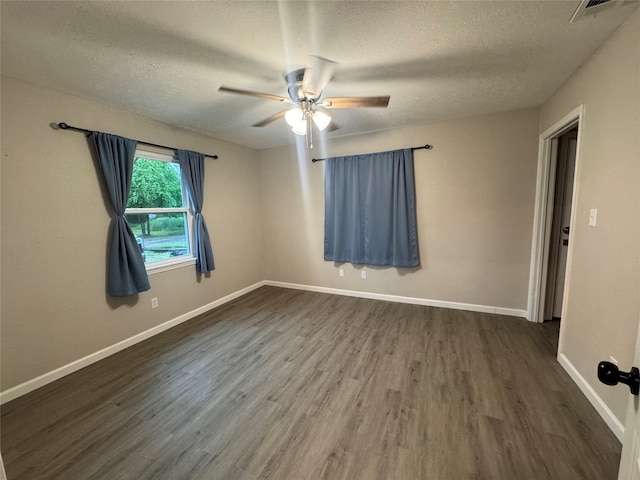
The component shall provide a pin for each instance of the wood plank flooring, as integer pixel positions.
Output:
(290, 385)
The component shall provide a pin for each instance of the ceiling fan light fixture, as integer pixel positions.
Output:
(321, 120)
(294, 117)
(300, 129)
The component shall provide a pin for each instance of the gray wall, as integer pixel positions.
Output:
(475, 195)
(54, 233)
(604, 276)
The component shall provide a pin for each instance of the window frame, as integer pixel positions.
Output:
(183, 260)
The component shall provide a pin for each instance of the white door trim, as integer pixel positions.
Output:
(542, 213)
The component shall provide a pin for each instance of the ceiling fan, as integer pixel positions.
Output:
(305, 88)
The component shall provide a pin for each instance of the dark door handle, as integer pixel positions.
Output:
(610, 374)
(565, 230)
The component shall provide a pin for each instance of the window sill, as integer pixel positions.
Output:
(172, 265)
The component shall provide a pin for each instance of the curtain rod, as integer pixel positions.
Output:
(65, 126)
(426, 147)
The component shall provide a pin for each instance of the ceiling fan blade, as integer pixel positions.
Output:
(253, 94)
(316, 78)
(351, 102)
(272, 118)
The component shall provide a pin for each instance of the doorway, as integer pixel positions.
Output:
(560, 223)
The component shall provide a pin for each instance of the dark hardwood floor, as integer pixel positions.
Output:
(291, 385)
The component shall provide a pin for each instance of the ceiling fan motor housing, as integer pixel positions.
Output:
(294, 80)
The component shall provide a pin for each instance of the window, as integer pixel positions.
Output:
(158, 212)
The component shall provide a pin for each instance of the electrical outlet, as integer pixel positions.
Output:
(154, 302)
(363, 274)
(593, 217)
(341, 272)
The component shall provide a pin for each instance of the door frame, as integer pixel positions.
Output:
(543, 214)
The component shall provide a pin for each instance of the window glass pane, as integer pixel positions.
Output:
(155, 184)
(161, 236)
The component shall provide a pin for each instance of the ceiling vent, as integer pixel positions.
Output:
(589, 7)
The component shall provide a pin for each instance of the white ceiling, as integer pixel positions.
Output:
(166, 60)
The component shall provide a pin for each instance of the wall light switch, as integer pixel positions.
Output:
(593, 217)
(363, 274)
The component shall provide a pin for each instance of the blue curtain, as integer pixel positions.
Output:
(192, 168)
(370, 213)
(127, 273)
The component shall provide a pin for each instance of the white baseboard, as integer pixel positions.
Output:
(400, 299)
(607, 415)
(511, 312)
(53, 375)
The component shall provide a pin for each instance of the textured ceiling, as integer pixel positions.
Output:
(166, 60)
